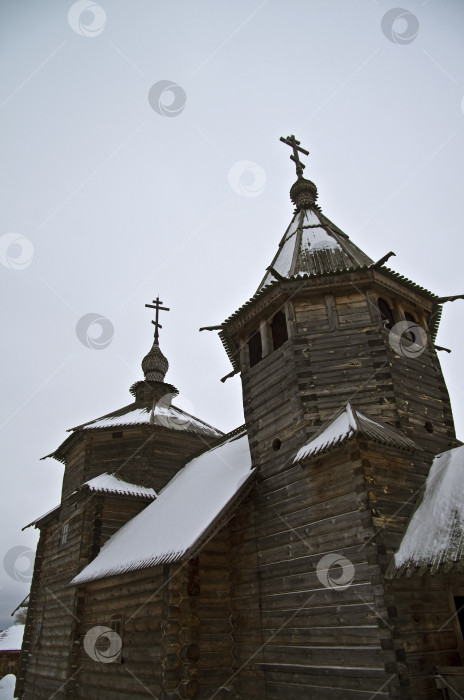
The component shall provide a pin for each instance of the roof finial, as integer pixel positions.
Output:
(157, 305)
(155, 365)
(291, 141)
(303, 193)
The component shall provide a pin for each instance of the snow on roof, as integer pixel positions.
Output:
(105, 483)
(435, 534)
(7, 687)
(313, 245)
(167, 416)
(338, 430)
(11, 639)
(170, 526)
(344, 425)
(110, 483)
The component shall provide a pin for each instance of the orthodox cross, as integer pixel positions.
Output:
(291, 141)
(157, 305)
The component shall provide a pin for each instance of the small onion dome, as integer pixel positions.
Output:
(303, 194)
(155, 365)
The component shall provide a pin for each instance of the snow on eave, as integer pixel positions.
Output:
(110, 483)
(338, 429)
(348, 423)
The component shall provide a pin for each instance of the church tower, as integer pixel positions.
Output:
(115, 467)
(345, 406)
(328, 325)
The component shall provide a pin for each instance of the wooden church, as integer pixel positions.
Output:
(315, 552)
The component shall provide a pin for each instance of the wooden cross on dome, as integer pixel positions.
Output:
(157, 305)
(291, 141)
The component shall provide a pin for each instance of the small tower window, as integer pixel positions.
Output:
(64, 533)
(279, 330)
(386, 314)
(255, 348)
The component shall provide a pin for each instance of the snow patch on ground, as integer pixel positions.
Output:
(7, 686)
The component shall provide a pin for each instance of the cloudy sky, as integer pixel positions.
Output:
(142, 154)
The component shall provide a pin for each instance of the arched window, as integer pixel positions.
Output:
(279, 330)
(386, 313)
(255, 348)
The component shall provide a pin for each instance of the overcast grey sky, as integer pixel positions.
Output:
(110, 197)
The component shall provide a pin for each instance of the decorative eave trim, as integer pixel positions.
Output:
(276, 289)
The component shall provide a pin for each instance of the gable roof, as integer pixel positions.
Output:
(347, 424)
(11, 639)
(187, 508)
(313, 245)
(434, 538)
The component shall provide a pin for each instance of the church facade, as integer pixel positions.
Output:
(313, 552)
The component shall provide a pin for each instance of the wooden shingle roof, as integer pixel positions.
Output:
(347, 424)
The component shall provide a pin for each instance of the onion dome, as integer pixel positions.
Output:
(303, 194)
(155, 364)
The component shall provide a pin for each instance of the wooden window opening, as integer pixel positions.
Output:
(279, 330)
(255, 348)
(64, 532)
(386, 313)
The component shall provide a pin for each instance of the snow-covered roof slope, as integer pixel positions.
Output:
(313, 245)
(11, 639)
(185, 509)
(105, 483)
(166, 416)
(435, 534)
(110, 483)
(347, 423)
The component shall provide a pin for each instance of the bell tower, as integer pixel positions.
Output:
(329, 326)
